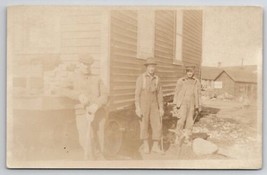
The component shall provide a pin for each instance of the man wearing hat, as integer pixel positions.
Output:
(149, 106)
(187, 101)
(91, 95)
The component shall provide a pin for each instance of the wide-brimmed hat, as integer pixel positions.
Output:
(86, 59)
(150, 61)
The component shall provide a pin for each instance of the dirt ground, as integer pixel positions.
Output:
(227, 124)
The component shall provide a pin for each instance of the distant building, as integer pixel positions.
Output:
(208, 75)
(238, 81)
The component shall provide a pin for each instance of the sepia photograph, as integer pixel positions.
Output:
(134, 87)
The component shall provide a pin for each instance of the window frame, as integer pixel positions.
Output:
(177, 60)
(139, 52)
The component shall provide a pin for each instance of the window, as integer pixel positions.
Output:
(178, 37)
(146, 34)
(218, 85)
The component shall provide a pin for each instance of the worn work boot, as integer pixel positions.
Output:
(146, 147)
(156, 148)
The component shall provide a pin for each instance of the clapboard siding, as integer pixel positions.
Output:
(165, 50)
(125, 67)
(192, 38)
(82, 33)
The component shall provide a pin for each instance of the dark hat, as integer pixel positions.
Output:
(190, 68)
(86, 59)
(150, 61)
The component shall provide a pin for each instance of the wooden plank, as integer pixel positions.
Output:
(190, 39)
(125, 51)
(129, 68)
(117, 21)
(121, 41)
(121, 17)
(159, 40)
(164, 54)
(125, 47)
(165, 35)
(124, 76)
(125, 71)
(165, 25)
(126, 64)
(165, 48)
(122, 35)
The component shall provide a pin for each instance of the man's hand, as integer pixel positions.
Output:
(161, 112)
(90, 117)
(92, 109)
(138, 112)
(83, 99)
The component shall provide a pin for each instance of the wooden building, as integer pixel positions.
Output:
(238, 82)
(119, 40)
(113, 37)
(126, 66)
(208, 75)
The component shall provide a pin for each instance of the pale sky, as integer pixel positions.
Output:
(231, 34)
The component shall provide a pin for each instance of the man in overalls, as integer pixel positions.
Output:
(187, 101)
(91, 95)
(149, 106)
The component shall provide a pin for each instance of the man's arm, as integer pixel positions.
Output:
(101, 100)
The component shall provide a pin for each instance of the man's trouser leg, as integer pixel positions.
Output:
(155, 121)
(189, 120)
(84, 132)
(98, 127)
(144, 124)
(183, 116)
(156, 126)
(144, 135)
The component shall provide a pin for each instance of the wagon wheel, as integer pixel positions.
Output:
(134, 129)
(113, 138)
